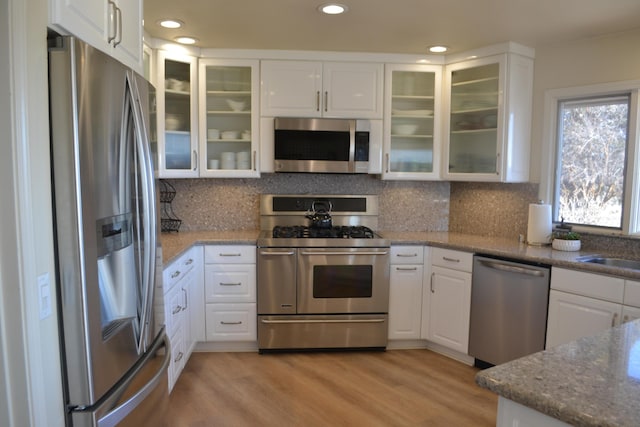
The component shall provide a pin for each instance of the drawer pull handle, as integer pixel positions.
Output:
(175, 274)
(189, 261)
(177, 310)
(450, 259)
(230, 323)
(406, 268)
(231, 284)
(407, 255)
(230, 254)
(178, 357)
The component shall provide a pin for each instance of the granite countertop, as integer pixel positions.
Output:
(593, 381)
(174, 244)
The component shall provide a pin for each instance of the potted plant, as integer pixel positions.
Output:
(566, 241)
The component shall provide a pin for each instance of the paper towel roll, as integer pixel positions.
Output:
(539, 226)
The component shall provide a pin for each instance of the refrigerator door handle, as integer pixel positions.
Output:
(119, 413)
(149, 203)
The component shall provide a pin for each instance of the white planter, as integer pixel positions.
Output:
(566, 245)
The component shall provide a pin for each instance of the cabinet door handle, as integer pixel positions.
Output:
(195, 160)
(613, 319)
(326, 101)
(112, 22)
(255, 160)
(231, 284)
(625, 319)
(178, 357)
(186, 299)
(230, 323)
(318, 101)
(406, 268)
(175, 274)
(450, 259)
(433, 291)
(118, 26)
(387, 162)
(177, 309)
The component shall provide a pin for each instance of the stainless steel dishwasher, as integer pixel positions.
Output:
(508, 310)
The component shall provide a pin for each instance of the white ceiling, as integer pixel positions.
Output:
(391, 26)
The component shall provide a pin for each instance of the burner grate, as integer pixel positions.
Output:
(336, 232)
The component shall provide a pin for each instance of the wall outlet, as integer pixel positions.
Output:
(44, 287)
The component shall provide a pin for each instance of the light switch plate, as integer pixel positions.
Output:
(44, 287)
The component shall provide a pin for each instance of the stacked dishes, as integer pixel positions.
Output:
(243, 160)
(228, 160)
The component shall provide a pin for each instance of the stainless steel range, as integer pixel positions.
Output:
(323, 273)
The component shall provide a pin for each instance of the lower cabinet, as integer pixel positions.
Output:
(449, 299)
(405, 292)
(230, 293)
(583, 304)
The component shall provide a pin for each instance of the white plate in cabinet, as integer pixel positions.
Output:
(230, 283)
(238, 254)
(231, 322)
(407, 254)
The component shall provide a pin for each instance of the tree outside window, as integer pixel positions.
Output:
(593, 139)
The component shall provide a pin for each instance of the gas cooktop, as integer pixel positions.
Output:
(335, 232)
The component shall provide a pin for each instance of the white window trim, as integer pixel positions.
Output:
(631, 219)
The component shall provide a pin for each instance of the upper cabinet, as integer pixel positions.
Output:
(229, 125)
(177, 106)
(488, 104)
(412, 121)
(113, 26)
(322, 89)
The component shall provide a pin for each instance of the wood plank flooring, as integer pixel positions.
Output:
(392, 388)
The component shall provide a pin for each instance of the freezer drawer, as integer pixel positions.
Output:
(508, 309)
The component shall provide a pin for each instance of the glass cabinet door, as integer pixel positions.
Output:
(228, 109)
(474, 119)
(411, 122)
(177, 107)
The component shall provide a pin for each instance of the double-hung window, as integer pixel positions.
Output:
(592, 180)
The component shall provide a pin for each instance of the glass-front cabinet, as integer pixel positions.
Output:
(177, 91)
(487, 134)
(229, 118)
(412, 121)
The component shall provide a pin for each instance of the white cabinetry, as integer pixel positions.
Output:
(229, 110)
(450, 299)
(230, 293)
(182, 311)
(487, 133)
(412, 121)
(177, 112)
(405, 292)
(315, 89)
(583, 304)
(113, 26)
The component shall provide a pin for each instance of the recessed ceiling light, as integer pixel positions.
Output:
(333, 8)
(186, 40)
(170, 23)
(438, 49)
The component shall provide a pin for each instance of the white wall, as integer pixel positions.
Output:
(30, 384)
(604, 59)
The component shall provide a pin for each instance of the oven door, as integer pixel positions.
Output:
(343, 280)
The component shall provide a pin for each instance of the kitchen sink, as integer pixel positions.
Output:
(613, 262)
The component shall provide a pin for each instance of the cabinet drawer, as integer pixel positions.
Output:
(632, 293)
(178, 269)
(230, 283)
(455, 260)
(588, 284)
(239, 254)
(177, 359)
(407, 254)
(231, 322)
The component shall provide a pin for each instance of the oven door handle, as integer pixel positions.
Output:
(344, 253)
(266, 321)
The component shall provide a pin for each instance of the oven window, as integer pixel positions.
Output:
(342, 281)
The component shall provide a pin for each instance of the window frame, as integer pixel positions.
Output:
(549, 164)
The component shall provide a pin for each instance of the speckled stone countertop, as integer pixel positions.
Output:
(593, 381)
(174, 244)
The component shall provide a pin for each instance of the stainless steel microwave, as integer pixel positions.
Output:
(320, 145)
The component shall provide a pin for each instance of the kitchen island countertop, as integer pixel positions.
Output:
(593, 381)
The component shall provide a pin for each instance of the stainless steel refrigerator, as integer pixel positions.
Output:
(114, 358)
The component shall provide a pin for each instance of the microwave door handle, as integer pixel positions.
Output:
(352, 146)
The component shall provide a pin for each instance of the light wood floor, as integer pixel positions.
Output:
(392, 388)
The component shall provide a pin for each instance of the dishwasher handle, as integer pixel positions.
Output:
(497, 265)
